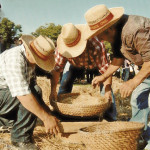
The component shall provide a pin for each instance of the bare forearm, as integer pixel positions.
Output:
(107, 84)
(31, 104)
(113, 67)
(116, 63)
(54, 80)
(142, 74)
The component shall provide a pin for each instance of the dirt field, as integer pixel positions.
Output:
(48, 142)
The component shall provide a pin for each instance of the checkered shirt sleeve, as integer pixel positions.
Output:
(102, 61)
(60, 61)
(16, 73)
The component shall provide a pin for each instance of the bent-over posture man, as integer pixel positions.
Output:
(20, 99)
(80, 53)
(130, 37)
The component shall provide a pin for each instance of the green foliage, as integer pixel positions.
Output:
(108, 48)
(50, 30)
(8, 31)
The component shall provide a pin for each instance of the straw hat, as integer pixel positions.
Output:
(99, 18)
(41, 50)
(71, 41)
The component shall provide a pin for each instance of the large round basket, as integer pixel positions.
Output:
(79, 110)
(112, 136)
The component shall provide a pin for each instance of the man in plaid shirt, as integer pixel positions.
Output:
(93, 55)
(20, 99)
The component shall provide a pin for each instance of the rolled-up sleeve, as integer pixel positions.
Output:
(60, 61)
(142, 43)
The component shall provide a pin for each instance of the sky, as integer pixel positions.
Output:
(31, 14)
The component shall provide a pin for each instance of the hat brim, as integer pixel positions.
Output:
(47, 64)
(74, 51)
(117, 12)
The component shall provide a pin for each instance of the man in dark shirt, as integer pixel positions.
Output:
(130, 38)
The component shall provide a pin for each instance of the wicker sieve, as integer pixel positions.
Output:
(112, 136)
(79, 110)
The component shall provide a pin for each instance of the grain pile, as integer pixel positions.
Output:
(84, 99)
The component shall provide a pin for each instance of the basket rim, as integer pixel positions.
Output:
(79, 109)
(139, 127)
(104, 101)
(81, 105)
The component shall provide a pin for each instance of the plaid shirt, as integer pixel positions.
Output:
(15, 71)
(92, 57)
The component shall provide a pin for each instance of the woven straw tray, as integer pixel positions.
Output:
(112, 136)
(84, 109)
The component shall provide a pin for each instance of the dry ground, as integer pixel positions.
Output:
(48, 142)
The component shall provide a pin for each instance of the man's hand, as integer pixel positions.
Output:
(51, 125)
(31, 104)
(127, 88)
(97, 80)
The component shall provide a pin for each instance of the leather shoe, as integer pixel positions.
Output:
(5, 129)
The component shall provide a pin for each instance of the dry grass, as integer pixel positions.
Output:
(48, 142)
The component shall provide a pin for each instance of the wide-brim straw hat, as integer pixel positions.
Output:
(41, 49)
(71, 42)
(99, 18)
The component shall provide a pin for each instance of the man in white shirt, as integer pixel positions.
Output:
(20, 100)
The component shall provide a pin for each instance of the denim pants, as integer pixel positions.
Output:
(69, 75)
(14, 114)
(140, 110)
(125, 74)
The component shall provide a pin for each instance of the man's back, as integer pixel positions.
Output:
(135, 39)
(15, 71)
(135, 23)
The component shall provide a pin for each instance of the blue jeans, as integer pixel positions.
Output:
(125, 74)
(140, 109)
(69, 75)
(13, 113)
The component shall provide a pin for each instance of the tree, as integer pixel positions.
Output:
(8, 31)
(50, 30)
(108, 48)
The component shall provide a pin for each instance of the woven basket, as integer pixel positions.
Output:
(112, 136)
(79, 110)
